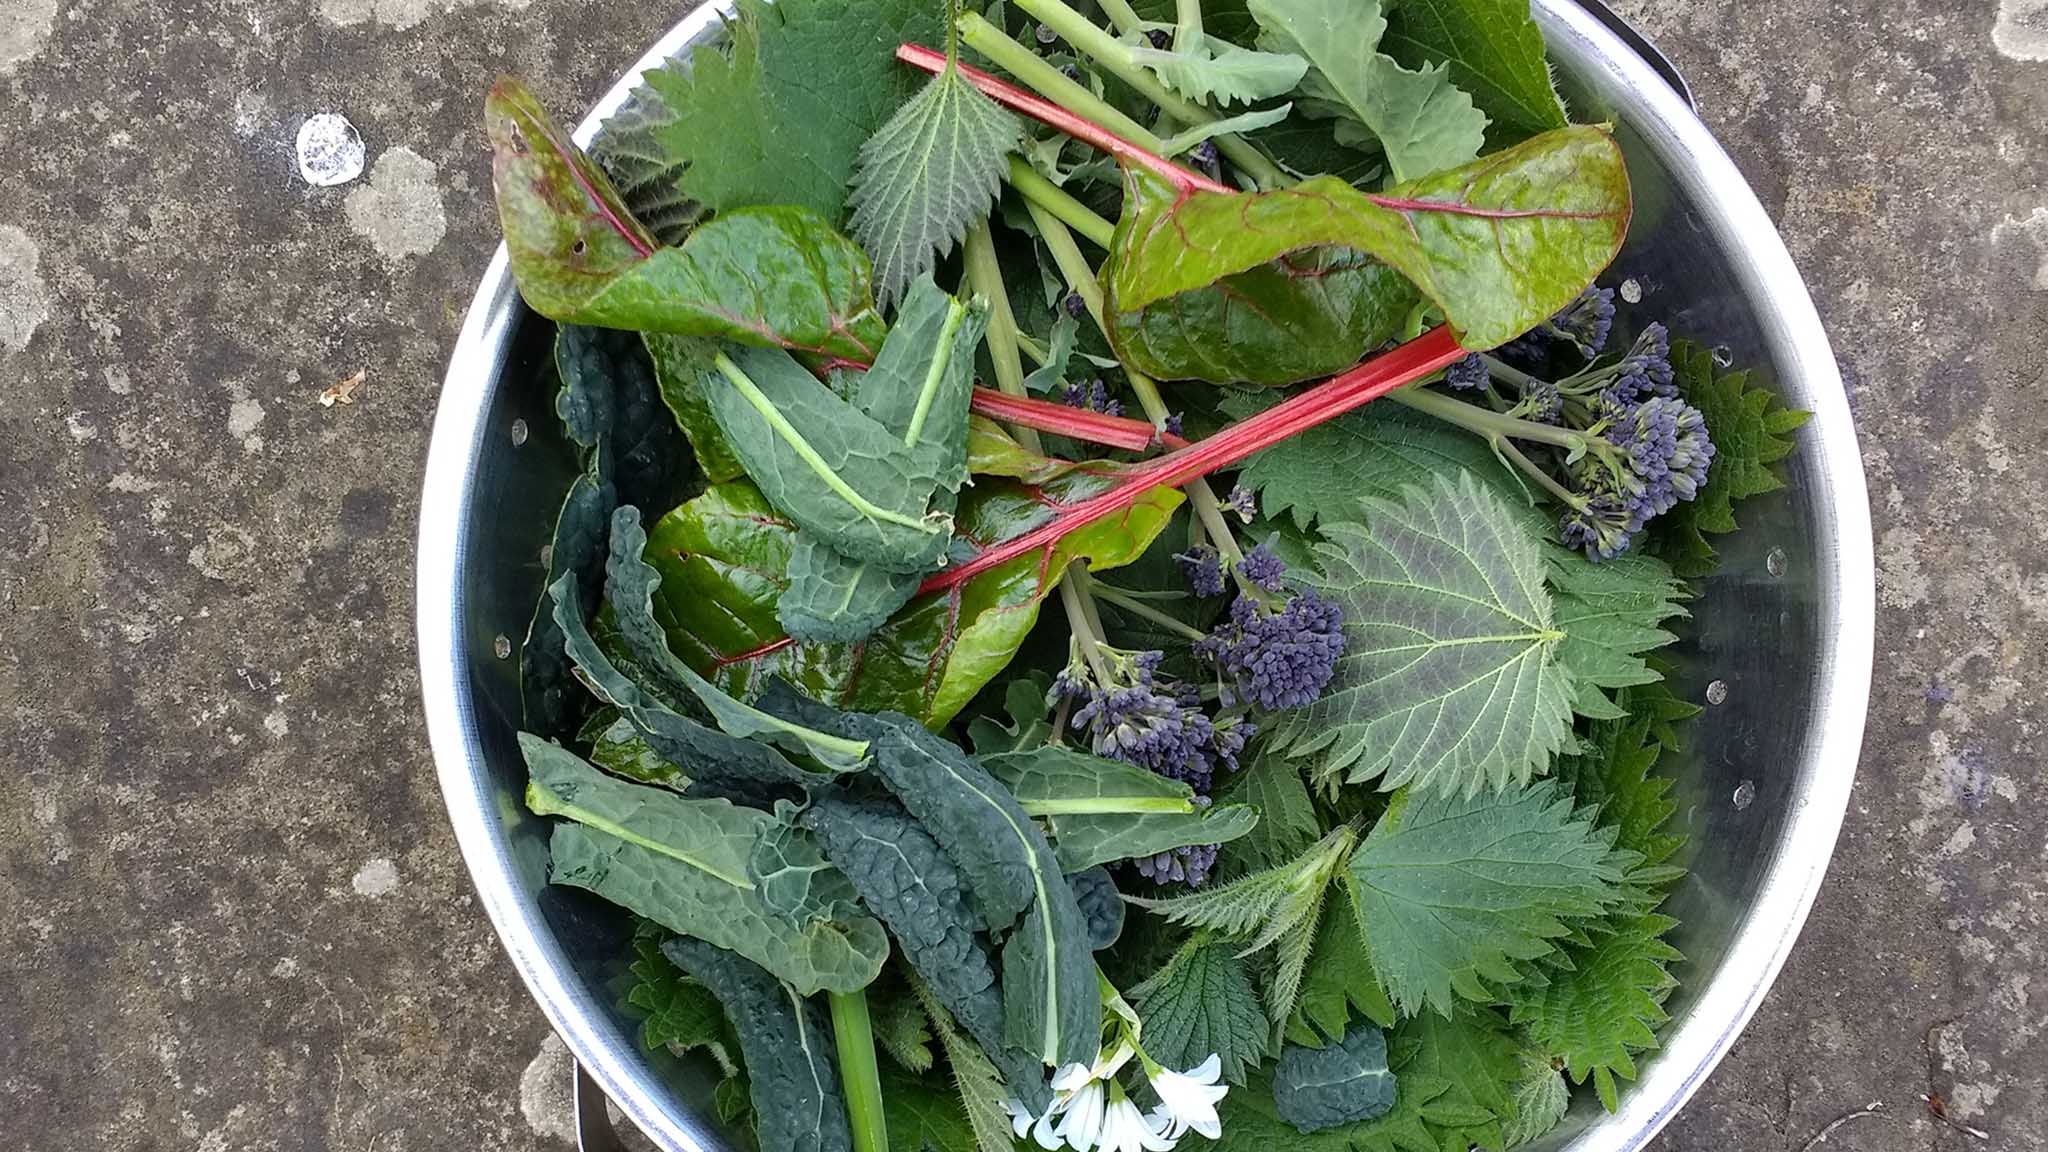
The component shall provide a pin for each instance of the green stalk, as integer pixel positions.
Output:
(1137, 607)
(1508, 372)
(985, 278)
(1033, 186)
(1506, 447)
(1188, 31)
(1489, 423)
(1032, 70)
(956, 312)
(859, 1075)
(1107, 51)
(1122, 15)
(1086, 636)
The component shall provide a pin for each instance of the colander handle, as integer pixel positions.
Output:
(594, 1131)
(1641, 45)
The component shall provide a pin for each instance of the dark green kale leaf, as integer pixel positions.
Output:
(1095, 891)
(1341, 1083)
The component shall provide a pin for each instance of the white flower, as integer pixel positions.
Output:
(1080, 1102)
(1125, 1129)
(1188, 1099)
(1020, 1116)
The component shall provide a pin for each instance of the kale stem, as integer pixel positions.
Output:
(853, 1035)
(1506, 447)
(1034, 187)
(1033, 349)
(985, 277)
(1048, 81)
(1105, 50)
(1489, 423)
(942, 356)
(1137, 607)
(1508, 372)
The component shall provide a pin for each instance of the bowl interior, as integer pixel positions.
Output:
(1779, 639)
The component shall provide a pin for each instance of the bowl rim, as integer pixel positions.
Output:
(1762, 937)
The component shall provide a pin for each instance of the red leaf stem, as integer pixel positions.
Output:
(1074, 423)
(1376, 377)
(1048, 113)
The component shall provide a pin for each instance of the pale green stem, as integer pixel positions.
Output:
(1033, 186)
(942, 356)
(1137, 607)
(860, 1077)
(1188, 31)
(1086, 637)
(787, 432)
(1506, 447)
(1489, 423)
(1122, 15)
(985, 278)
(1048, 81)
(1210, 512)
(1105, 806)
(1033, 349)
(1508, 372)
(1107, 51)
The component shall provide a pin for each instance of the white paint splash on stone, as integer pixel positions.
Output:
(2022, 30)
(24, 298)
(399, 211)
(330, 150)
(398, 13)
(377, 877)
(24, 29)
(2033, 230)
(547, 1091)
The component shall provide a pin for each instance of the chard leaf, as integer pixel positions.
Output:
(1607, 1007)
(929, 174)
(679, 366)
(718, 764)
(1541, 1099)
(1101, 905)
(1200, 1003)
(1454, 892)
(1449, 678)
(724, 558)
(774, 276)
(1343, 1083)
(1611, 613)
(631, 585)
(618, 748)
(1050, 1002)
(991, 451)
(683, 864)
(1287, 816)
(786, 1041)
(834, 600)
(1493, 50)
(1211, 70)
(1498, 245)
(1100, 810)
(1422, 122)
(828, 466)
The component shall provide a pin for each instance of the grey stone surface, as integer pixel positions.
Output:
(234, 916)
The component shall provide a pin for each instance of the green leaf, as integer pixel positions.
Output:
(1100, 811)
(618, 748)
(1611, 613)
(1029, 727)
(827, 465)
(1493, 50)
(1239, 124)
(683, 864)
(980, 1088)
(1052, 373)
(629, 149)
(611, 406)
(923, 1118)
(1339, 984)
(1201, 1003)
(1614, 771)
(681, 1015)
(550, 697)
(1541, 1098)
(1287, 816)
(1081, 841)
(786, 1041)
(1607, 1007)
(903, 1031)
(1423, 123)
(922, 383)
(1449, 678)
(631, 585)
(1050, 1002)
(1216, 71)
(1498, 245)
(1101, 905)
(773, 276)
(1751, 431)
(679, 365)
(1453, 892)
(1319, 1088)
(929, 174)
(795, 881)
(724, 557)
(834, 600)
(1263, 905)
(780, 114)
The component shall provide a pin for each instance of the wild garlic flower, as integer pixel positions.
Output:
(1080, 1102)
(1187, 1100)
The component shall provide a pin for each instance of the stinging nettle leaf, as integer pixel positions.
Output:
(1287, 816)
(1611, 613)
(1342, 1083)
(1541, 1099)
(1339, 983)
(786, 1041)
(1449, 678)
(981, 1089)
(681, 1014)
(928, 175)
(683, 864)
(1493, 50)
(629, 149)
(1607, 1007)
(1200, 1003)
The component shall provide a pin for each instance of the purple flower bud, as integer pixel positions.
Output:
(1468, 375)
(1203, 569)
(1158, 37)
(1279, 659)
(1075, 305)
(1242, 501)
(1263, 568)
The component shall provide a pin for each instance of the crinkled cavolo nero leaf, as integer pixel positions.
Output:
(717, 763)
(1611, 613)
(1340, 1083)
(922, 383)
(1455, 894)
(1208, 70)
(778, 114)
(679, 364)
(1051, 1005)
(550, 697)
(1101, 905)
(1099, 811)
(1498, 245)
(1450, 679)
(610, 404)
(795, 881)
(980, 1088)
(786, 1040)
(683, 864)
(1541, 1098)
(631, 585)
(681, 1015)
(1339, 985)
(1202, 1002)
(826, 465)
(724, 556)
(1606, 1008)
(1421, 120)
(1751, 429)
(1493, 50)
(772, 276)
(927, 175)
(834, 600)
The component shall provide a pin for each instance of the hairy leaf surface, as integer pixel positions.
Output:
(1752, 430)
(1339, 985)
(1202, 1002)
(1598, 1015)
(1287, 816)
(1611, 613)
(680, 1015)
(1493, 50)
(981, 1088)
(1541, 1098)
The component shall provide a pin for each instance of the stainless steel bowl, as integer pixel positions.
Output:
(1784, 628)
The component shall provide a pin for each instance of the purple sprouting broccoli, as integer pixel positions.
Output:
(1585, 324)
(1203, 569)
(1279, 658)
(1093, 395)
(1243, 501)
(1469, 374)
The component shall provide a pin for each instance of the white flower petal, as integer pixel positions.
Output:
(1208, 1071)
(1046, 1132)
(1082, 1127)
(1071, 1078)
